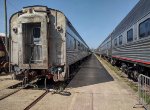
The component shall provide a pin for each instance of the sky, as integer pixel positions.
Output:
(93, 19)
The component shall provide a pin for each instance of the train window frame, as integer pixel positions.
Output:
(37, 32)
(78, 45)
(115, 42)
(75, 47)
(145, 31)
(68, 41)
(130, 35)
(107, 44)
(120, 39)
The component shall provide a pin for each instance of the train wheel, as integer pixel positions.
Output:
(136, 74)
(113, 62)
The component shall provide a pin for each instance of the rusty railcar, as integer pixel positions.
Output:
(44, 43)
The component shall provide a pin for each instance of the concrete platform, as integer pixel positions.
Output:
(5, 77)
(20, 100)
(6, 81)
(93, 88)
(6, 92)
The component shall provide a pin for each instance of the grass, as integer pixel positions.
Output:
(147, 99)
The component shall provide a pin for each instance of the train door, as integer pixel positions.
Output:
(32, 43)
(32, 37)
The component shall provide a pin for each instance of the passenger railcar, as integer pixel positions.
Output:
(130, 41)
(44, 43)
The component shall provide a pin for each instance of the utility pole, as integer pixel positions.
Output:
(5, 13)
(6, 35)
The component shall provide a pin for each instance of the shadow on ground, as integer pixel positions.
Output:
(91, 72)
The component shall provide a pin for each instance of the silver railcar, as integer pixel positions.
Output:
(130, 40)
(44, 42)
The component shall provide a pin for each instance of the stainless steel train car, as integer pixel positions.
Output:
(44, 43)
(129, 43)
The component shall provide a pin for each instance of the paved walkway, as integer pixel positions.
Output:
(93, 88)
(6, 81)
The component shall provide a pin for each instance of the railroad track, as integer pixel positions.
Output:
(10, 94)
(39, 97)
(43, 95)
(29, 97)
(36, 100)
(32, 103)
(11, 87)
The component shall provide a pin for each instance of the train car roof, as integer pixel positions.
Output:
(141, 9)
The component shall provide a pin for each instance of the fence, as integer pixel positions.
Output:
(144, 91)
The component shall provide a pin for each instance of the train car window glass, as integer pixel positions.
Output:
(71, 42)
(115, 42)
(68, 42)
(130, 35)
(120, 40)
(78, 45)
(36, 32)
(83, 47)
(144, 29)
(107, 44)
(74, 43)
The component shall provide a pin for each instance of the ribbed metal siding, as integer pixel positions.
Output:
(75, 55)
(139, 50)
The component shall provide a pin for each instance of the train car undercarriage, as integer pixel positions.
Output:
(131, 69)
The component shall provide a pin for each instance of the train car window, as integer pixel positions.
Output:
(71, 42)
(75, 43)
(68, 42)
(120, 40)
(115, 42)
(78, 45)
(107, 44)
(130, 35)
(81, 47)
(144, 29)
(36, 32)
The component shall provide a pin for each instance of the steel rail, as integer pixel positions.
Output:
(36, 100)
